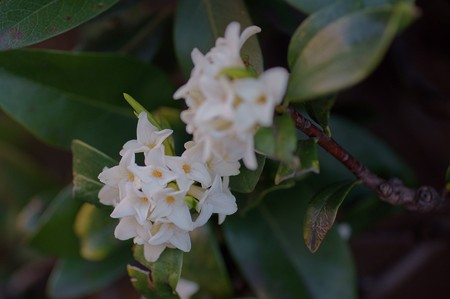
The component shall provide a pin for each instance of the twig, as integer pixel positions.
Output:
(393, 191)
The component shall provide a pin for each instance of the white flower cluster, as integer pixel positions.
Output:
(162, 199)
(224, 112)
(154, 201)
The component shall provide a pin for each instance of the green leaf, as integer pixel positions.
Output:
(316, 22)
(267, 246)
(199, 23)
(247, 179)
(345, 51)
(310, 6)
(320, 109)
(76, 277)
(87, 164)
(138, 108)
(19, 169)
(321, 212)
(309, 162)
(26, 23)
(95, 229)
(279, 141)
(205, 266)
(63, 96)
(165, 272)
(54, 234)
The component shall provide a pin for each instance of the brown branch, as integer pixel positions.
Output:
(392, 191)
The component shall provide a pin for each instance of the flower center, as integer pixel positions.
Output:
(186, 168)
(170, 199)
(144, 199)
(156, 173)
(261, 100)
(130, 176)
(237, 102)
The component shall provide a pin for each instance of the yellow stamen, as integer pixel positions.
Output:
(237, 101)
(261, 100)
(186, 168)
(170, 199)
(156, 173)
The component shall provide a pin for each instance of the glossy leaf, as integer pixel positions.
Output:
(310, 6)
(279, 141)
(309, 162)
(204, 265)
(165, 272)
(26, 23)
(76, 277)
(346, 51)
(316, 22)
(247, 179)
(63, 96)
(267, 246)
(320, 109)
(95, 229)
(87, 164)
(321, 213)
(199, 23)
(55, 234)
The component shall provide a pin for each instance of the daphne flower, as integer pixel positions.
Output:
(171, 235)
(118, 175)
(218, 200)
(148, 136)
(258, 98)
(189, 168)
(171, 207)
(152, 252)
(109, 195)
(134, 203)
(186, 288)
(129, 228)
(155, 176)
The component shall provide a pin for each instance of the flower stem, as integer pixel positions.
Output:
(425, 198)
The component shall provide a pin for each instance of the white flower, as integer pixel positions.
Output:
(117, 174)
(152, 252)
(171, 235)
(189, 168)
(109, 195)
(225, 54)
(258, 98)
(129, 228)
(218, 199)
(148, 136)
(134, 203)
(186, 288)
(171, 207)
(155, 176)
